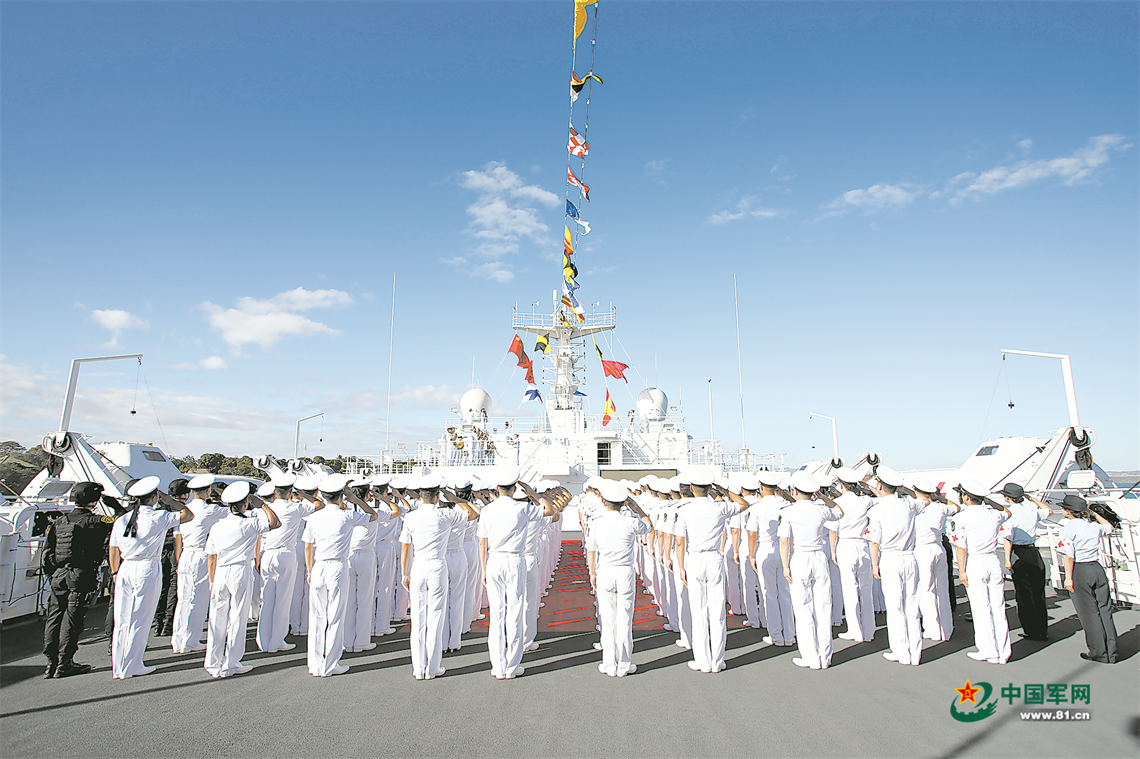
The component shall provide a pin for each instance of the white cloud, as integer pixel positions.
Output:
(265, 322)
(744, 208)
(655, 167)
(874, 198)
(1072, 169)
(502, 216)
(117, 321)
(1025, 145)
(214, 362)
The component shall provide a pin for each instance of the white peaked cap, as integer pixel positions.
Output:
(889, 476)
(805, 483)
(145, 487)
(380, 480)
(399, 482)
(507, 476)
(283, 480)
(848, 475)
(920, 483)
(334, 483)
(459, 482)
(519, 494)
(770, 479)
(675, 483)
(659, 485)
(973, 487)
(826, 480)
(613, 490)
(647, 479)
(748, 481)
(265, 490)
(701, 476)
(236, 492)
(199, 481)
(308, 482)
(428, 481)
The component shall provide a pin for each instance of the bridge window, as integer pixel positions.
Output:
(153, 456)
(987, 450)
(603, 454)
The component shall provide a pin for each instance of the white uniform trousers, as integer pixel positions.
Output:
(328, 600)
(506, 591)
(474, 583)
(987, 604)
(429, 602)
(855, 576)
(682, 603)
(669, 598)
(899, 571)
(230, 601)
(361, 600)
(403, 603)
(705, 571)
(750, 588)
(137, 587)
(387, 557)
(279, 579)
(299, 609)
(934, 592)
(732, 579)
(193, 601)
(455, 617)
(775, 595)
(877, 596)
(616, 590)
(836, 594)
(811, 604)
(533, 597)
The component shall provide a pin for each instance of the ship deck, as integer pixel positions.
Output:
(761, 705)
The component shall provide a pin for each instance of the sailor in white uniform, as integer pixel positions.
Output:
(850, 553)
(764, 552)
(428, 531)
(305, 488)
(701, 524)
(358, 617)
(1079, 545)
(610, 556)
(389, 524)
(277, 562)
(680, 495)
(193, 576)
(327, 536)
(933, 581)
(890, 536)
(230, 556)
(399, 487)
(976, 540)
(455, 592)
(136, 546)
(502, 540)
(534, 578)
(803, 552)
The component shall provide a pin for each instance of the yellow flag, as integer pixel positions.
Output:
(580, 17)
(568, 242)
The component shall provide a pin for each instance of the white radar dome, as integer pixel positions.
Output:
(475, 405)
(652, 405)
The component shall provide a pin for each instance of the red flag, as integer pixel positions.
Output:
(577, 183)
(610, 410)
(529, 372)
(517, 349)
(577, 146)
(614, 369)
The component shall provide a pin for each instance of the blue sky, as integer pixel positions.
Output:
(900, 189)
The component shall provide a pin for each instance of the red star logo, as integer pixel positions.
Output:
(968, 693)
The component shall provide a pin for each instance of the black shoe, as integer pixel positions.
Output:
(1041, 639)
(68, 668)
(49, 673)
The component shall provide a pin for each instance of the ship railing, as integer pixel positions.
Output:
(472, 453)
(711, 453)
(533, 320)
(392, 461)
(497, 424)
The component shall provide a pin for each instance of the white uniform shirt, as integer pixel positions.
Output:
(195, 532)
(428, 529)
(614, 539)
(152, 526)
(764, 518)
(503, 523)
(292, 515)
(330, 531)
(1080, 539)
(1024, 521)
(534, 533)
(701, 523)
(388, 527)
(929, 522)
(805, 522)
(976, 528)
(890, 522)
(853, 523)
(232, 539)
(364, 536)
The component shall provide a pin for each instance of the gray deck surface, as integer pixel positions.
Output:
(762, 705)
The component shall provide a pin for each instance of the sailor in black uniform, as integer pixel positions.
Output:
(72, 553)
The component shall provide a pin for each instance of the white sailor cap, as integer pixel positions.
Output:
(507, 476)
(889, 476)
(285, 480)
(973, 487)
(847, 475)
(236, 492)
(646, 479)
(921, 484)
(722, 481)
(356, 482)
(805, 483)
(614, 491)
(770, 479)
(683, 477)
(748, 481)
(701, 476)
(429, 481)
(380, 480)
(265, 490)
(659, 485)
(309, 482)
(201, 481)
(459, 482)
(675, 484)
(334, 483)
(519, 494)
(399, 482)
(144, 487)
